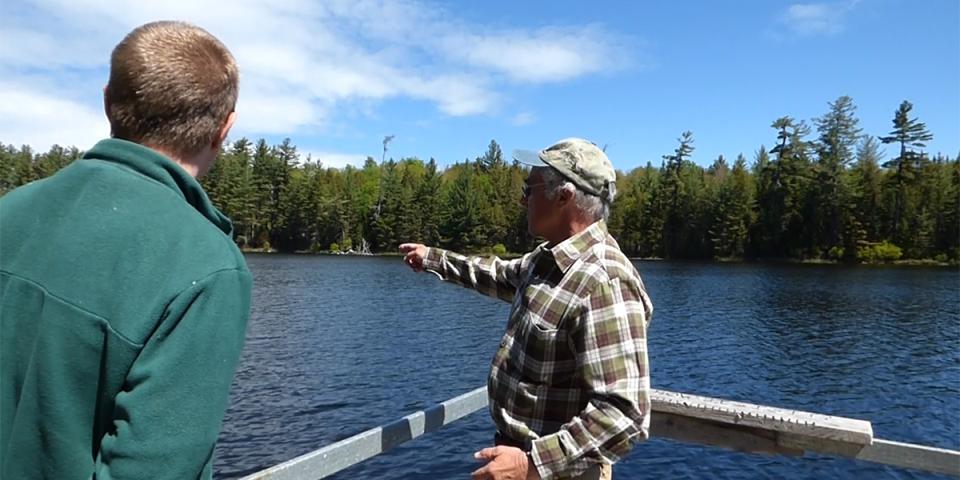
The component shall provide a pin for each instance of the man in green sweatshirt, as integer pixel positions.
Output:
(123, 299)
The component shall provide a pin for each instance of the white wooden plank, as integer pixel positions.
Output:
(905, 455)
(689, 418)
(707, 432)
(351, 451)
(806, 424)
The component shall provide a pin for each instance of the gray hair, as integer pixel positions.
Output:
(591, 205)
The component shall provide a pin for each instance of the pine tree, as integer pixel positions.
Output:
(57, 157)
(428, 202)
(909, 133)
(839, 132)
(733, 214)
(767, 226)
(462, 225)
(673, 186)
(867, 187)
(812, 198)
(789, 201)
(384, 224)
(949, 239)
(493, 159)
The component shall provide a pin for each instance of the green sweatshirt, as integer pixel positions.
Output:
(123, 308)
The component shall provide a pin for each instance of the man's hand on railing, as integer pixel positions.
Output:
(505, 463)
(413, 255)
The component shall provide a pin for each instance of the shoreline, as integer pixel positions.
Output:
(762, 261)
(926, 262)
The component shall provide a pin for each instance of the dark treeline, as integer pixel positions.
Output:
(823, 191)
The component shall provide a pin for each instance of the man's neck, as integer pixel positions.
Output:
(191, 168)
(569, 229)
(189, 165)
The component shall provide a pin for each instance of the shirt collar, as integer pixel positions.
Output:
(567, 252)
(156, 166)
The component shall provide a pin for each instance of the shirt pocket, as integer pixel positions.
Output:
(542, 344)
(545, 309)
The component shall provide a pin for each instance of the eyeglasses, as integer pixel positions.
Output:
(528, 187)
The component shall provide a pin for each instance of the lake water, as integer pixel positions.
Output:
(338, 345)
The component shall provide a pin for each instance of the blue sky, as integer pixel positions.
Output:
(446, 77)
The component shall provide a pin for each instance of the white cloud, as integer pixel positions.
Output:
(39, 119)
(545, 55)
(276, 113)
(811, 18)
(30, 48)
(817, 18)
(456, 95)
(523, 118)
(334, 159)
(303, 62)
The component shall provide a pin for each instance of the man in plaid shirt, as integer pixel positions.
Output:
(569, 385)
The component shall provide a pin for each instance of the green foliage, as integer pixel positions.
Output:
(832, 194)
(829, 197)
(836, 253)
(732, 211)
(877, 253)
(910, 134)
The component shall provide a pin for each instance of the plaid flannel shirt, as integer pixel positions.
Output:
(571, 378)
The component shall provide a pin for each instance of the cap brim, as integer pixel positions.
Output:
(528, 157)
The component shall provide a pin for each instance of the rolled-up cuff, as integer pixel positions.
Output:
(433, 260)
(547, 455)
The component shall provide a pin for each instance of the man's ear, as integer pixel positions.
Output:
(224, 131)
(106, 101)
(565, 196)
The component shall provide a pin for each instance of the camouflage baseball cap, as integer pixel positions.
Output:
(580, 161)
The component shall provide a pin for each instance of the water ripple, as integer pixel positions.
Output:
(339, 345)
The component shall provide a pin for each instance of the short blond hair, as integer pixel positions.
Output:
(172, 86)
